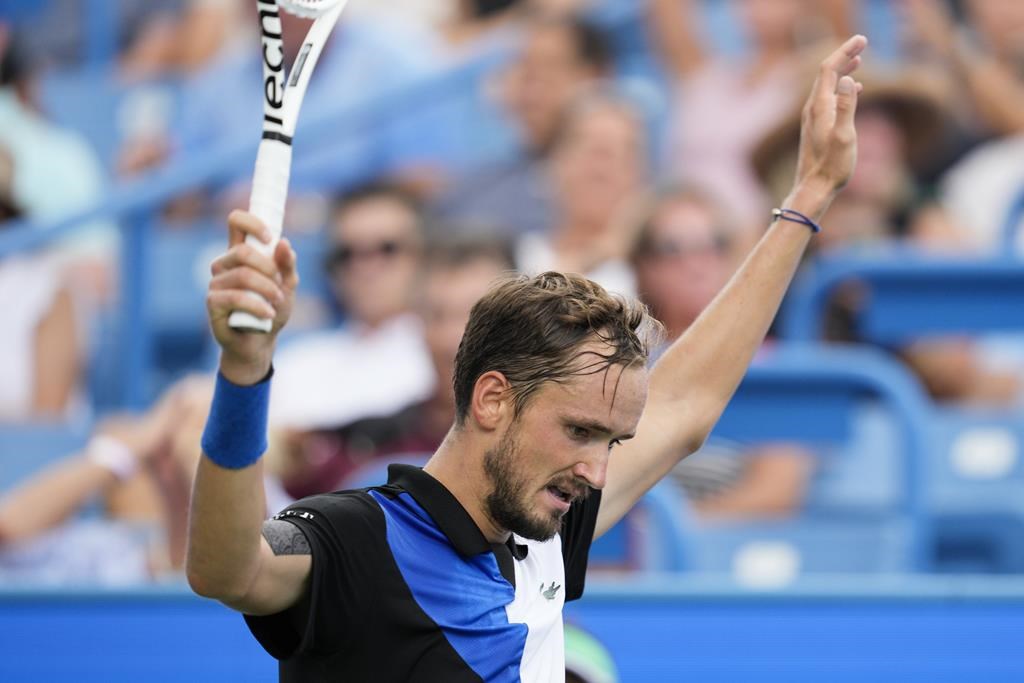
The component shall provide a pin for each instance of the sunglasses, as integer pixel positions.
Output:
(344, 255)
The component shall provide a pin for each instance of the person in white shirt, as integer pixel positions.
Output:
(374, 253)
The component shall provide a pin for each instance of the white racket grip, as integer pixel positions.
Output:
(269, 194)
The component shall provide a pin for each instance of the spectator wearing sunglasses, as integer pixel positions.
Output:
(685, 253)
(373, 257)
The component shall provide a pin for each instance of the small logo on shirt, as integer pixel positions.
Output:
(551, 591)
(294, 513)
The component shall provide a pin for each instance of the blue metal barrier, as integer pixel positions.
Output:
(813, 394)
(887, 628)
(906, 295)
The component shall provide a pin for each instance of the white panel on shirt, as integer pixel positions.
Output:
(540, 574)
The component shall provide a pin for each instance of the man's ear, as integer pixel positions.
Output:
(491, 404)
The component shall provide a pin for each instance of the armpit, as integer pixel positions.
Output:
(285, 538)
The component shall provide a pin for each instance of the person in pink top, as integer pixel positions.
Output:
(722, 107)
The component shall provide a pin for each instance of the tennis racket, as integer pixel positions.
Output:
(282, 98)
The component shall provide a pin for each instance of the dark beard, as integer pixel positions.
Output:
(504, 503)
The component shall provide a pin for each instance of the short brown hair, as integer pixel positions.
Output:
(531, 330)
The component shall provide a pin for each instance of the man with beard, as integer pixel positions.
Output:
(458, 571)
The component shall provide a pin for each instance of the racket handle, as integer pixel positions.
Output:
(269, 192)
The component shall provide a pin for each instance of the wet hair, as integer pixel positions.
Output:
(533, 329)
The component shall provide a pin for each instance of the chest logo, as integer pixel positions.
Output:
(551, 591)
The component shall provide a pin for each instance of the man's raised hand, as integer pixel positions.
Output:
(243, 269)
(828, 138)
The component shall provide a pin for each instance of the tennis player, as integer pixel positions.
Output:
(459, 571)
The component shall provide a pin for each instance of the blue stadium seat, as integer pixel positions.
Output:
(654, 536)
(974, 484)
(969, 472)
(869, 418)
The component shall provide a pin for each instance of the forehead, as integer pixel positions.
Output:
(682, 217)
(614, 397)
(375, 217)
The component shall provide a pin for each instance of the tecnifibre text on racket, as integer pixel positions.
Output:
(282, 98)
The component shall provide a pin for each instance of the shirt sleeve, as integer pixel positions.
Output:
(577, 535)
(343, 530)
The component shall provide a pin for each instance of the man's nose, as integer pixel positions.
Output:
(593, 470)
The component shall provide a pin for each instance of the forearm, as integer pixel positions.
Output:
(670, 24)
(51, 497)
(701, 370)
(997, 93)
(228, 505)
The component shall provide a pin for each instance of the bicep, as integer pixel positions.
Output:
(283, 576)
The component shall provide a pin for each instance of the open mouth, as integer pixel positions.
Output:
(561, 494)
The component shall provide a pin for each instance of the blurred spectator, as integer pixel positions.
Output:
(559, 59)
(375, 363)
(364, 60)
(41, 345)
(456, 274)
(598, 167)
(140, 469)
(985, 55)
(899, 120)
(56, 172)
(683, 257)
(724, 106)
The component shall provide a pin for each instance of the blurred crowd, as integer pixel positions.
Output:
(643, 143)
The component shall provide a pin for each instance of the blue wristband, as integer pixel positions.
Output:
(236, 429)
(794, 217)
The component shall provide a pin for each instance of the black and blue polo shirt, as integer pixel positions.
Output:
(405, 587)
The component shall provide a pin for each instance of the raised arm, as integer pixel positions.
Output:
(233, 556)
(671, 27)
(996, 91)
(694, 380)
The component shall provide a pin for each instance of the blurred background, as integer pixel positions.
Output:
(858, 511)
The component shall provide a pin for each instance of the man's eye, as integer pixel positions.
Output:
(613, 443)
(579, 433)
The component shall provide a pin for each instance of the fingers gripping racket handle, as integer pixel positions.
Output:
(269, 193)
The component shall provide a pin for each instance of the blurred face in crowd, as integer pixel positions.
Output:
(881, 175)
(547, 76)
(599, 162)
(374, 258)
(448, 297)
(683, 260)
(1000, 23)
(770, 22)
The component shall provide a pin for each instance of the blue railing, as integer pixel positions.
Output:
(135, 204)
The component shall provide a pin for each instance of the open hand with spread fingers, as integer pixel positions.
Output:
(828, 138)
(237, 274)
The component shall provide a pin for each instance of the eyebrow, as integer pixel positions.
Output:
(599, 427)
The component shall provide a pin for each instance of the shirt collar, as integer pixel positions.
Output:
(446, 511)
